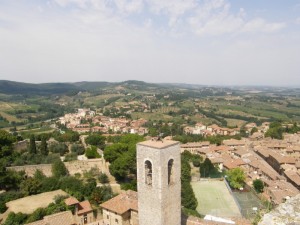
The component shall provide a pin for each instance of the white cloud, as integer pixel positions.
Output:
(80, 3)
(101, 40)
(260, 25)
(129, 6)
(214, 18)
(204, 18)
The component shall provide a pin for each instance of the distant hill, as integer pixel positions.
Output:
(19, 88)
(12, 87)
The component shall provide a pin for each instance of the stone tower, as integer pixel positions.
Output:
(159, 187)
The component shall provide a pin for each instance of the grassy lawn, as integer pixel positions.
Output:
(151, 116)
(235, 122)
(38, 130)
(214, 199)
(9, 117)
(100, 98)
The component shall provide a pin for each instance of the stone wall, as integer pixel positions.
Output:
(78, 166)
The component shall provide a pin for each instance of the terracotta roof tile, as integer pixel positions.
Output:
(294, 176)
(71, 201)
(62, 218)
(122, 203)
(84, 207)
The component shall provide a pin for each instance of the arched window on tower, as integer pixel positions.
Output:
(148, 172)
(171, 172)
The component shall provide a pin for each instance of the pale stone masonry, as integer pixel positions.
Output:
(159, 187)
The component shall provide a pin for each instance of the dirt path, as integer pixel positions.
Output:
(4, 216)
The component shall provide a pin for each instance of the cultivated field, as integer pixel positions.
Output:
(214, 199)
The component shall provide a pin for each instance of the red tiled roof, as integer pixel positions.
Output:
(294, 176)
(122, 203)
(71, 201)
(84, 207)
(62, 218)
(220, 148)
(234, 142)
(234, 163)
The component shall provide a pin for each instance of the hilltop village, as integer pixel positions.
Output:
(275, 162)
(75, 156)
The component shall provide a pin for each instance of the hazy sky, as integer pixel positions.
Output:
(230, 42)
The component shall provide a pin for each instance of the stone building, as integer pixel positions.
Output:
(159, 187)
(121, 210)
(83, 212)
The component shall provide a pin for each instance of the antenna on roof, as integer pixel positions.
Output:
(159, 138)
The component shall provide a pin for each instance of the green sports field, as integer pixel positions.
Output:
(214, 199)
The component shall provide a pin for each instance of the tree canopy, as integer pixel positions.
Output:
(122, 156)
(95, 139)
(32, 145)
(207, 168)
(258, 185)
(236, 177)
(59, 169)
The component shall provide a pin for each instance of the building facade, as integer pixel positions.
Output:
(159, 187)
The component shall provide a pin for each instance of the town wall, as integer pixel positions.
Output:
(78, 166)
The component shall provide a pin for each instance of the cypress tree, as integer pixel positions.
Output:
(32, 146)
(44, 147)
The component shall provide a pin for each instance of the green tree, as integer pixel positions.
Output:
(101, 194)
(103, 178)
(39, 175)
(188, 199)
(114, 151)
(59, 169)
(196, 162)
(96, 139)
(78, 149)
(60, 148)
(30, 186)
(32, 145)
(70, 157)
(207, 168)
(253, 130)
(91, 153)
(120, 167)
(275, 131)
(44, 147)
(38, 214)
(50, 184)
(68, 136)
(258, 185)
(15, 219)
(6, 138)
(236, 177)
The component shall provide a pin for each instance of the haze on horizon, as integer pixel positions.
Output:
(210, 42)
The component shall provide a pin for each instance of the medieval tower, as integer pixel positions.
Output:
(159, 188)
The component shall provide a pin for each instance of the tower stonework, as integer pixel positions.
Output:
(159, 187)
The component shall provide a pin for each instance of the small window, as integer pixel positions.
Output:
(116, 220)
(148, 172)
(107, 217)
(171, 172)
